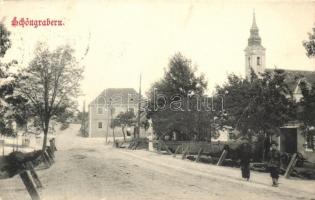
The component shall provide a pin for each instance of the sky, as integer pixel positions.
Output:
(126, 38)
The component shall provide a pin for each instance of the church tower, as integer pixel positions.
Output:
(254, 52)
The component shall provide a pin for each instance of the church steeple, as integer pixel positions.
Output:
(254, 52)
(254, 38)
(254, 25)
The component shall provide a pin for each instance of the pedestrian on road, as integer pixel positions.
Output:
(244, 153)
(274, 163)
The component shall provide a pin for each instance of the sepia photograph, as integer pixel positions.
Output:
(157, 100)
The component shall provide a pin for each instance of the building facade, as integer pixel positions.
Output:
(107, 106)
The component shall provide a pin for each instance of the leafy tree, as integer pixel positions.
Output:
(113, 124)
(307, 105)
(310, 44)
(21, 112)
(51, 83)
(8, 112)
(307, 111)
(5, 42)
(176, 101)
(258, 106)
(125, 119)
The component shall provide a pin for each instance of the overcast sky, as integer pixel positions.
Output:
(126, 38)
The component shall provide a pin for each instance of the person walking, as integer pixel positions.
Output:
(245, 156)
(274, 161)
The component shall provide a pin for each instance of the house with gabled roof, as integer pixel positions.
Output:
(106, 106)
(294, 78)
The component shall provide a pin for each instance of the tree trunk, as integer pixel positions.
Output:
(44, 142)
(134, 132)
(113, 135)
(46, 125)
(267, 140)
(123, 131)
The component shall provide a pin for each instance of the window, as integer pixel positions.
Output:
(100, 110)
(258, 61)
(248, 61)
(100, 125)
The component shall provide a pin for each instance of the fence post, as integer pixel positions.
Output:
(177, 149)
(50, 152)
(29, 185)
(185, 152)
(166, 147)
(291, 166)
(222, 158)
(34, 175)
(199, 154)
(47, 163)
(47, 158)
(50, 157)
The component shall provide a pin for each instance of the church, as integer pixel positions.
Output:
(255, 59)
(292, 138)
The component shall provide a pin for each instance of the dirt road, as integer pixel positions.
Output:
(87, 169)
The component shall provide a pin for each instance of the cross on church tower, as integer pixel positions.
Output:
(254, 52)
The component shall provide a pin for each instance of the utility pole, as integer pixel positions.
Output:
(113, 125)
(108, 118)
(139, 107)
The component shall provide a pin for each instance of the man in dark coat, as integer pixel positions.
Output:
(274, 161)
(244, 153)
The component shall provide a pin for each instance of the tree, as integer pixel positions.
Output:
(307, 111)
(308, 104)
(5, 42)
(258, 106)
(310, 44)
(21, 112)
(51, 83)
(125, 119)
(113, 124)
(176, 101)
(7, 85)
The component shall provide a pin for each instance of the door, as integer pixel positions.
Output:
(288, 140)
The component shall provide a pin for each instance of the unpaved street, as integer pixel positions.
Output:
(87, 169)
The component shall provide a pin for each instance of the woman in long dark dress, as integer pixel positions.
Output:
(245, 156)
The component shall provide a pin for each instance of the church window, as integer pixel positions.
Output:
(258, 60)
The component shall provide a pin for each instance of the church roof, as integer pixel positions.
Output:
(254, 38)
(254, 25)
(293, 77)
